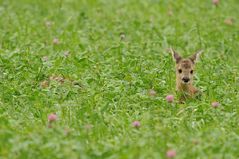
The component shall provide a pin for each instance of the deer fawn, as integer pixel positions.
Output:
(184, 75)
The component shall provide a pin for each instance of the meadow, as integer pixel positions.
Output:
(88, 79)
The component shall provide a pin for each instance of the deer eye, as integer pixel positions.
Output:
(180, 70)
(191, 71)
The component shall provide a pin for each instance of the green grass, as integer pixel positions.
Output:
(117, 53)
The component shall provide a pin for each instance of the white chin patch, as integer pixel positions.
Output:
(185, 82)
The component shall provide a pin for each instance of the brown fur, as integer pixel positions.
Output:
(185, 70)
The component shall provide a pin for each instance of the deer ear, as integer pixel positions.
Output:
(194, 58)
(175, 55)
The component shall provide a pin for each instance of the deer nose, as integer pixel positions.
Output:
(185, 79)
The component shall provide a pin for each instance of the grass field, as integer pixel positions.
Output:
(93, 63)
